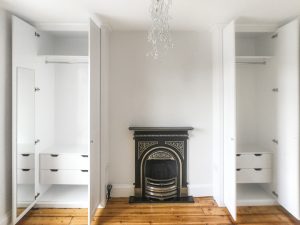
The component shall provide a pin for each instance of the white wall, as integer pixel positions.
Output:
(173, 91)
(5, 117)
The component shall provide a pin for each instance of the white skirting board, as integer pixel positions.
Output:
(200, 190)
(196, 190)
(122, 190)
(5, 219)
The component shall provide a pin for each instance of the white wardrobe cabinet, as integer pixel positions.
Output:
(56, 114)
(259, 105)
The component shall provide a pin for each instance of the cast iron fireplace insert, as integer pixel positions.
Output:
(160, 164)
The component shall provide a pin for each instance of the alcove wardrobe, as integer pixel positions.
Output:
(58, 156)
(257, 116)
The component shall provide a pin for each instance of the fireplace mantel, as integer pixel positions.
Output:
(161, 128)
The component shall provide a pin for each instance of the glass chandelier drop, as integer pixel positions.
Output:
(159, 34)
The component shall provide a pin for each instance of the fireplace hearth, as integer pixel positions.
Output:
(160, 164)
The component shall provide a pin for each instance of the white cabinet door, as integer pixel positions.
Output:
(287, 56)
(95, 151)
(24, 51)
(229, 118)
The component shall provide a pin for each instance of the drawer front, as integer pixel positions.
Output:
(254, 175)
(25, 161)
(64, 177)
(64, 161)
(25, 176)
(254, 160)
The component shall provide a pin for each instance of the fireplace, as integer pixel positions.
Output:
(160, 164)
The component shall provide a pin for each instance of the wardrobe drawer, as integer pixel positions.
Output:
(64, 161)
(254, 175)
(64, 176)
(25, 176)
(255, 160)
(25, 161)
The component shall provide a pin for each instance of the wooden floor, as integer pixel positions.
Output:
(118, 211)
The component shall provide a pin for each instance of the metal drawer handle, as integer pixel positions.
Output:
(84, 171)
(238, 155)
(25, 155)
(258, 169)
(238, 169)
(258, 154)
(54, 155)
(25, 170)
(53, 170)
(85, 156)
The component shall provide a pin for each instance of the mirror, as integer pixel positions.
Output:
(25, 138)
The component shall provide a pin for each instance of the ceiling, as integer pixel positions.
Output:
(134, 15)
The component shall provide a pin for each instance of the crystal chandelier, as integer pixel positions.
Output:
(159, 34)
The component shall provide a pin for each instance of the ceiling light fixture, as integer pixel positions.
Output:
(159, 34)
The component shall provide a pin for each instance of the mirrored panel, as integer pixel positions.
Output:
(25, 139)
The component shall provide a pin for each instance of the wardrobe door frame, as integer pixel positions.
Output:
(28, 63)
(229, 77)
(288, 169)
(95, 186)
(289, 190)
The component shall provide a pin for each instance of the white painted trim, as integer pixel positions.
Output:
(122, 190)
(62, 26)
(6, 219)
(100, 22)
(256, 28)
(217, 26)
(200, 190)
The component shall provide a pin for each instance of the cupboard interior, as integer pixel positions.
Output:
(256, 118)
(61, 109)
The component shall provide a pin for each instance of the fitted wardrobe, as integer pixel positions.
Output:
(59, 160)
(258, 113)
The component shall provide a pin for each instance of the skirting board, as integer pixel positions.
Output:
(200, 190)
(6, 219)
(196, 190)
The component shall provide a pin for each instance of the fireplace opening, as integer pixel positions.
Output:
(161, 179)
(161, 169)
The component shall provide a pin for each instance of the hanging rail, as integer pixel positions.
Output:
(258, 63)
(66, 59)
(64, 62)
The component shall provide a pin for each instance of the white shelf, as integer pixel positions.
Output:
(68, 59)
(66, 149)
(250, 149)
(253, 195)
(252, 59)
(65, 196)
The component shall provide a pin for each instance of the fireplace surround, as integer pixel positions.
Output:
(160, 164)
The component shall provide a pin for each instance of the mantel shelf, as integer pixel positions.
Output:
(161, 128)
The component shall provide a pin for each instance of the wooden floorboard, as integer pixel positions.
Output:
(203, 211)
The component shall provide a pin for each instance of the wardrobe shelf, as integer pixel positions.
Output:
(251, 149)
(66, 149)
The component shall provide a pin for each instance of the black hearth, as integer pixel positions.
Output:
(160, 164)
